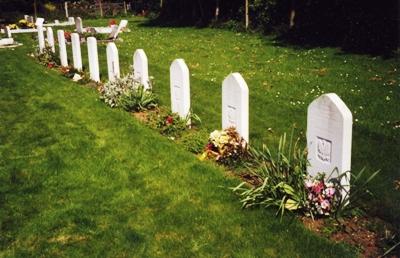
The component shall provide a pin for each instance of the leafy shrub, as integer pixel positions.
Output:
(195, 141)
(226, 147)
(47, 57)
(171, 124)
(128, 93)
(286, 185)
(137, 99)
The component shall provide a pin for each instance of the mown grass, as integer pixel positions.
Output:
(283, 81)
(78, 179)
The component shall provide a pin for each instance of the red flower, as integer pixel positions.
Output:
(210, 146)
(112, 22)
(169, 120)
(318, 188)
(67, 35)
(50, 65)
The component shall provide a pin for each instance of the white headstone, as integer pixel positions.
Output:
(40, 30)
(180, 88)
(140, 68)
(26, 17)
(76, 51)
(56, 22)
(71, 20)
(50, 39)
(329, 133)
(62, 47)
(235, 105)
(112, 61)
(93, 59)
(79, 25)
(8, 32)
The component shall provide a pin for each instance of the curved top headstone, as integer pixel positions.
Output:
(140, 68)
(180, 88)
(112, 61)
(235, 104)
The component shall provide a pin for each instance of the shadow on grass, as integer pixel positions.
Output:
(301, 40)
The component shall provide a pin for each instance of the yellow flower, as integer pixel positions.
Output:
(22, 22)
(203, 156)
(13, 26)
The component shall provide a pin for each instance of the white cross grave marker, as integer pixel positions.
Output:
(140, 68)
(329, 134)
(93, 59)
(76, 51)
(180, 88)
(235, 104)
(112, 61)
(62, 48)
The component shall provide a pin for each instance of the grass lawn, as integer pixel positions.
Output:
(282, 82)
(80, 179)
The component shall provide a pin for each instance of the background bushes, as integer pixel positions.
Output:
(356, 26)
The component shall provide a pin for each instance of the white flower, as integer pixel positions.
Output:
(76, 77)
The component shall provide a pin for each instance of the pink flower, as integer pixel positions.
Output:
(325, 205)
(330, 191)
(318, 187)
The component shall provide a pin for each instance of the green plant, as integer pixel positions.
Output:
(287, 186)
(126, 91)
(282, 177)
(358, 193)
(137, 99)
(47, 57)
(194, 141)
(173, 125)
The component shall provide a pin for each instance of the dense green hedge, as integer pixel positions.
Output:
(359, 26)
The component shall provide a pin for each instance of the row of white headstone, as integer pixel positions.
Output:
(329, 120)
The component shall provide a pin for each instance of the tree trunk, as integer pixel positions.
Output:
(101, 8)
(292, 14)
(66, 9)
(161, 4)
(217, 10)
(246, 10)
(35, 9)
